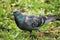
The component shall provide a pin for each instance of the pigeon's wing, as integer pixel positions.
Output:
(34, 21)
(29, 20)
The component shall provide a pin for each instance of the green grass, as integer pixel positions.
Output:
(8, 28)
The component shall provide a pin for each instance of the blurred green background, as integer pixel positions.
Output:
(8, 28)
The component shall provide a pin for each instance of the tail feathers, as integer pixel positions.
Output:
(51, 18)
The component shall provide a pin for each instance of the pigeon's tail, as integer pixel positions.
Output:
(51, 18)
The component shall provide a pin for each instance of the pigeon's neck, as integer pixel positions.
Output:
(20, 15)
(19, 18)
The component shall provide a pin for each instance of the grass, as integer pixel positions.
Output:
(8, 28)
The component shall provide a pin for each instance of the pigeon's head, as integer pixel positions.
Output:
(16, 12)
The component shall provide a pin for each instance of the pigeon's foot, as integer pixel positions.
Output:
(41, 34)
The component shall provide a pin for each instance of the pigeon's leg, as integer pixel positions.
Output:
(32, 36)
(40, 33)
(30, 33)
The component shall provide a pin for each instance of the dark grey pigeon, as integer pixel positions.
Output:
(30, 23)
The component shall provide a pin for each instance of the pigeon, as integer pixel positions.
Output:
(29, 23)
